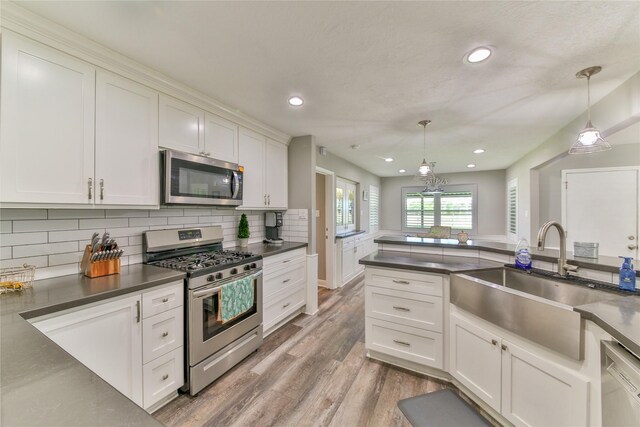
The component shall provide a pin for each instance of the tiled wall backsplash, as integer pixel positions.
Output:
(54, 239)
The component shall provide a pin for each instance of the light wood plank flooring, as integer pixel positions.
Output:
(311, 372)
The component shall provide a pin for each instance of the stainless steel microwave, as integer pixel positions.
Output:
(189, 179)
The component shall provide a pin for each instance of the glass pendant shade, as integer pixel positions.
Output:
(424, 168)
(426, 171)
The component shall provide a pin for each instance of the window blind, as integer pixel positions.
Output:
(374, 200)
(420, 210)
(512, 209)
(456, 210)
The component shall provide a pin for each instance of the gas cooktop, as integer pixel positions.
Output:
(205, 261)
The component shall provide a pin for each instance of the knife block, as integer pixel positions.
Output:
(98, 268)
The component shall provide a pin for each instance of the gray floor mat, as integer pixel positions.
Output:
(442, 408)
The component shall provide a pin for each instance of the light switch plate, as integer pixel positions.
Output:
(302, 214)
(317, 213)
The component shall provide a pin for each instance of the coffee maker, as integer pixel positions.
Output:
(273, 224)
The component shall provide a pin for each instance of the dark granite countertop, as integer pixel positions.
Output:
(425, 262)
(603, 263)
(266, 249)
(349, 234)
(40, 383)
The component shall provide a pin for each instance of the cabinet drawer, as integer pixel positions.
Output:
(276, 262)
(406, 308)
(283, 307)
(422, 283)
(163, 376)
(274, 283)
(162, 333)
(163, 299)
(412, 344)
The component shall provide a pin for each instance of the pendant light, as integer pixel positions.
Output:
(589, 139)
(426, 170)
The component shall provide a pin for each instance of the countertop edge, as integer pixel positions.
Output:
(390, 264)
(350, 234)
(587, 314)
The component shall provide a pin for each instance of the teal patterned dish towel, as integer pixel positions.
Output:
(235, 298)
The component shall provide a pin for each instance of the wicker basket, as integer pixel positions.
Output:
(14, 279)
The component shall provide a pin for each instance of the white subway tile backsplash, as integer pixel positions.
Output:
(132, 250)
(44, 249)
(104, 223)
(24, 238)
(75, 213)
(70, 258)
(135, 240)
(182, 220)
(39, 261)
(126, 232)
(167, 212)
(5, 226)
(47, 225)
(67, 236)
(127, 213)
(135, 259)
(5, 253)
(136, 222)
(198, 211)
(11, 214)
(603, 276)
(58, 270)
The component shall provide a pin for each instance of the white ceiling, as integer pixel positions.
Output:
(369, 71)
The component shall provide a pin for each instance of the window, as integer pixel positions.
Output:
(374, 203)
(512, 209)
(454, 208)
(345, 206)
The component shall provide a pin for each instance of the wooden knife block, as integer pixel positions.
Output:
(98, 268)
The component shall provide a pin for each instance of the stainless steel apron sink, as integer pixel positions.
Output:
(534, 307)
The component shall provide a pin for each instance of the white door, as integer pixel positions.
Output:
(126, 142)
(181, 126)
(602, 205)
(221, 138)
(475, 360)
(252, 150)
(537, 392)
(276, 174)
(107, 338)
(47, 119)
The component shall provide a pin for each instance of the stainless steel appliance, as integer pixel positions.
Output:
(620, 386)
(199, 180)
(273, 224)
(213, 347)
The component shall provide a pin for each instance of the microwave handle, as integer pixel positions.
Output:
(235, 185)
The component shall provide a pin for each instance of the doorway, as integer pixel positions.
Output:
(325, 227)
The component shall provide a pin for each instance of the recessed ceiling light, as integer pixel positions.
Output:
(479, 54)
(296, 101)
(388, 159)
(478, 151)
(471, 165)
(402, 171)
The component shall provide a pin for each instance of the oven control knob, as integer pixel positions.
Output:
(218, 276)
(234, 271)
(253, 265)
(247, 267)
(210, 278)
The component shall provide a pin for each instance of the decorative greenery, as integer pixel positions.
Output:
(243, 227)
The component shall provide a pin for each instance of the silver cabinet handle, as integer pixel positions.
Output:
(286, 280)
(504, 347)
(406, 344)
(90, 184)
(165, 334)
(138, 311)
(269, 199)
(102, 189)
(401, 308)
(286, 260)
(265, 200)
(165, 299)
(402, 282)
(631, 237)
(494, 342)
(632, 247)
(286, 305)
(165, 377)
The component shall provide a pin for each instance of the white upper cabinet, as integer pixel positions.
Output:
(276, 172)
(181, 126)
(265, 172)
(220, 138)
(47, 136)
(126, 142)
(252, 150)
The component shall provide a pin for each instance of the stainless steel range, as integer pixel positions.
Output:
(213, 346)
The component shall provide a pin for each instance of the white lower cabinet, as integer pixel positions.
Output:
(349, 251)
(284, 287)
(523, 386)
(139, 354)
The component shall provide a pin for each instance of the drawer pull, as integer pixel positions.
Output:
(286, 280)
(406, 344)
(494, 341)
(401, 308)
(165, 299)
(165, 377)
(165, 334)
(402, 282)
(286, 260)
(286, 305)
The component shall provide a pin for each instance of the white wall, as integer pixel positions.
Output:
(491, 201)
(616, 112)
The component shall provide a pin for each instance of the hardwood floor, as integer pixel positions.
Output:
(311, 372)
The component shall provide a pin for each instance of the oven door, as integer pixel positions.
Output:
(207, 334)
(191, 179)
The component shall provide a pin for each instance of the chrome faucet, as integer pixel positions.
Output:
(563, 267)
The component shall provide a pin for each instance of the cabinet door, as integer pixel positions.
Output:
(48, 102)
(252, 150)
(107, 338)
(537, 392)
(220, 138)
(350, 207)
(276, 167)
(475, 360)
(181, 126)
(126, 142)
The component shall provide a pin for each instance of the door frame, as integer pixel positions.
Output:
(330, 225)
(563, 192)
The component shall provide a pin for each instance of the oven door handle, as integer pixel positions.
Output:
(235, 185)
(214, 290)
